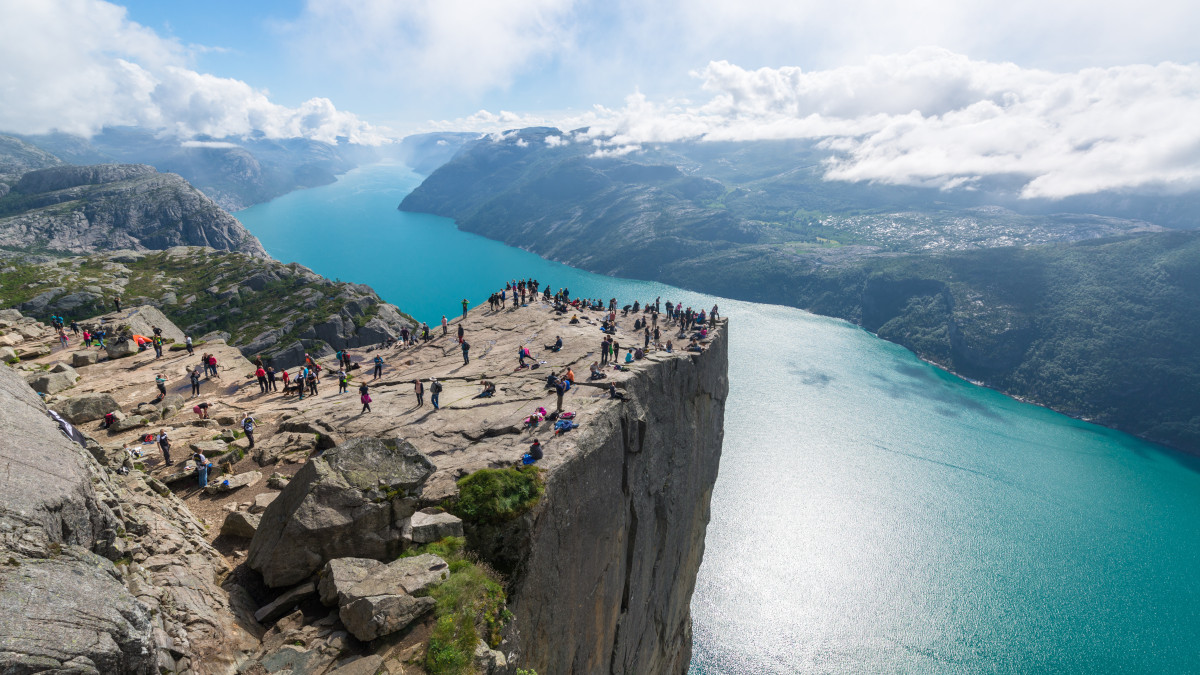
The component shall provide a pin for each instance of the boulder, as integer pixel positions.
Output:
(232, 483)
(278, 481)
(412, 576)
(347, 503)
(280, 444)
(367, 665)
(61, 367)
(342, 574)
(286, 602)
(147, 410)
(370, 617)
(84, 358)
(171, 405)
(7, 354)
(11, 339)
(209, 449)
(52, 383)
(121, 349)
(325, 434)
(142, 320)
(240, 524)
(262, 501)
(423, 528)
(86, 408)
(489, 661)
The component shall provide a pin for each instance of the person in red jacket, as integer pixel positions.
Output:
(261, 374)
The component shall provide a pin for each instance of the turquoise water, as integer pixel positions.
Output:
(873, 514)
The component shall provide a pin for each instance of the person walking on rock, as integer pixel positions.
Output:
(195, 377)
(364, 395)
(164, 444)
(261, 374)
(378, 367)
(466, 347)
(343, 385)
(311, 378)
(419, 390)
(271, 379)
(248, 428)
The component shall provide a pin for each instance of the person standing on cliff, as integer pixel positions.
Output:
(164, 444)
(378, 367)
(445, 326)
(604, 347)
(202, 467)
(195, 377)
(465, 348)
(466, 306)
(461, 333)
(261, 374)
(435, 390)
(271, 379)
(187, 341)
(117, 302)
(364, 395)
(419, 390)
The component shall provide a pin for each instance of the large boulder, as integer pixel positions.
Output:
(232, 483)
(119, 349)
(240, 524)
(281, 444)
(342, 574)
(131, 422)
(142, 320)
(84, 358)
(87, 407)
(370, 617)
(349, 503)
(423, 528)
(52, 383)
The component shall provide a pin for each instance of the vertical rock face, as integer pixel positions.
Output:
(615, 545)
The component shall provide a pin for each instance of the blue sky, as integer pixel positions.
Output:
(1080, 95)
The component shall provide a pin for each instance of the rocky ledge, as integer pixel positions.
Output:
(598, 566)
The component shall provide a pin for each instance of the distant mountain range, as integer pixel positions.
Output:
(1086, 305)
(235, 173)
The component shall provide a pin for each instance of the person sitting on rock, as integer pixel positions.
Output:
(596, 374)
(557, 344)
(534, 454)
(613, 393)
(694, 346)
(574, 319)
(489, 389)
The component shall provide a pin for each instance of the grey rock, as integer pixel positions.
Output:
(120, 349)
(489, 661)
(286, 603)
(147, 410)
(7, 354)
(346, 503)
(52, 383)
(327, 436)
(84, 358)
(293, 660)
(38, 303)
(423, 528)
(232, 483)
(278, 481)
(61, 367)
(141, 320)
(262, 501)
(412, 576)
(73, 301)
(367, 665)
(86, 408)
(342, 574)
(131, 422)
(208, 448)
(240, 524)
(70, 614)
(271, 451)
(370, 617)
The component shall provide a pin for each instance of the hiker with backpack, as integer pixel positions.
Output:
(248, 429)
(202, 467)
(364, 395)
(435, 389)
(465, 348)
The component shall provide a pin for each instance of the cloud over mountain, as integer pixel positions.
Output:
(80, 65)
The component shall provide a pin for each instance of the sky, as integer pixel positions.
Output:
(1079, 96)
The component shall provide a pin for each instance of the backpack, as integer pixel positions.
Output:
(248, 425)
(436, 387)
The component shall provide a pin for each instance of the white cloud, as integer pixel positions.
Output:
(459, 46)
(80, 65)
(208, 144)
(934, 118)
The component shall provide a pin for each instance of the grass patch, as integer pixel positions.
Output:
(470, 606)
(497, 495)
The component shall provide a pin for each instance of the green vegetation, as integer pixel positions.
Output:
(470, 606)
(498, 495)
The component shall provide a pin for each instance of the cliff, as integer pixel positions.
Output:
(80, 209)
(599, 573)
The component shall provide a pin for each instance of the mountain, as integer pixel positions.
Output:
(235, 173)
(1091, 314)
(80, 209)
(426, 152)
